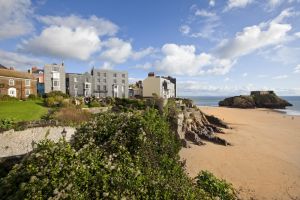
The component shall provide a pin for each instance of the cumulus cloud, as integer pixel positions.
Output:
(256, 37)
(118, 51)
(183, 60)
(11, 59)
(237, 4)
(212, 3)
(14, 18)
(64, 42)
(102, 26)
(297, 69)
(145, 66)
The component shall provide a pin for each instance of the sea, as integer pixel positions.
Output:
(214, 100)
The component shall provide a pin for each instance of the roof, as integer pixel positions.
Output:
(15, 74)
(2, 67)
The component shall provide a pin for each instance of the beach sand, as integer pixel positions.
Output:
(264, 161)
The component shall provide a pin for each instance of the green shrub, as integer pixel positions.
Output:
(7, 98)
(215, 187)
(55, 94)
(6, 124)
(56, 101)
(94, 104)
(32, 97)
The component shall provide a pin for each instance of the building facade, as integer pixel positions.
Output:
(79, 84)
(54, 78)
(39, 75)
(136, 90)
(17, 84)
(109, 83)
(164, 87)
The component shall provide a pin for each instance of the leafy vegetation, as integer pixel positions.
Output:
(7, 98)
(22, 110)
(215, 187)
(6, 124)
(131, 155)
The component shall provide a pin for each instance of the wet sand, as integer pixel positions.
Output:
(264, 161)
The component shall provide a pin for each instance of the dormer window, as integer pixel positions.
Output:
(27, 83)
(11, 82)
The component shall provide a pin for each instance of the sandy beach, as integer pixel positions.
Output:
(264, 161)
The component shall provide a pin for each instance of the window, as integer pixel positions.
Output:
(11, 82)
(75, 86)
(98, 73)
(123, 81)
(123, 75)
(98, 79)
(55, 69)
(104, 74)
(87, 86)
(115, 75)
(104, 80)
(12, 92)
(75, 79)
(27, 92)
(55, 75)
(55, 83)
(104, 87)
(115, 80)
(27, 82)
(98, 88)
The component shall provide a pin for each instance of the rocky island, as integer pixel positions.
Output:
(256, 99)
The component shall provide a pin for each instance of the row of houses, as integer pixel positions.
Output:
(98, 83)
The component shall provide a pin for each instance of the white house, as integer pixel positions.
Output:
(164, 87)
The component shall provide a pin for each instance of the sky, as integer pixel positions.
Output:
(212, 47)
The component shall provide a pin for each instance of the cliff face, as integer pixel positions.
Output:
(258, 100)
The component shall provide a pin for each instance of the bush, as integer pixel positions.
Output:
(94, 104)
(32, 97)
(7, 98)
(55, 94)
(6, 124)
(56, 101)
(215, 187)
(72, 116)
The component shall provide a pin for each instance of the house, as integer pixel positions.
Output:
(54, 78)
(164, 87)
(39, 75)
(79, 84)
(136, 90)
(109, 83)
(17, 84)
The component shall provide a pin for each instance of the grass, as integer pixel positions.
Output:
(22, 110)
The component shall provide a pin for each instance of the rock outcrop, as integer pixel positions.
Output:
(193, 126)
(257, 99)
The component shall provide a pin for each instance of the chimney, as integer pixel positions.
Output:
(151, 74)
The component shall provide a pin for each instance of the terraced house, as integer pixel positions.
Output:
(17, 84)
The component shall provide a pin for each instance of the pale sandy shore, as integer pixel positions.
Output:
(264, 161)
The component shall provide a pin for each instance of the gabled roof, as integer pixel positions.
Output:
(2, 67)
(15, 74)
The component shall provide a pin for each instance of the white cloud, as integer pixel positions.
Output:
(274, 3)
(212, 3)
(237, 4)
(297, 69)
(185, 29)
(183, 60)
(245, 74)
(297, 34)
(136, 55)
(64, 42)
(11, 59)
(118, 51)
(280, 77)
(256, 37)
(14, 18)
(283, 54)
(204, 13)
(145, 66)
(101, 26)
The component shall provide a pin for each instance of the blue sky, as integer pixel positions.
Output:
(212, 47)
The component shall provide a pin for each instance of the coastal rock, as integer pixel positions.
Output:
(257, 99)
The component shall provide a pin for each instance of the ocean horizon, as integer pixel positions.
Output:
(214, 100)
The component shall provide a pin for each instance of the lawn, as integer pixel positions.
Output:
(22, 110)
